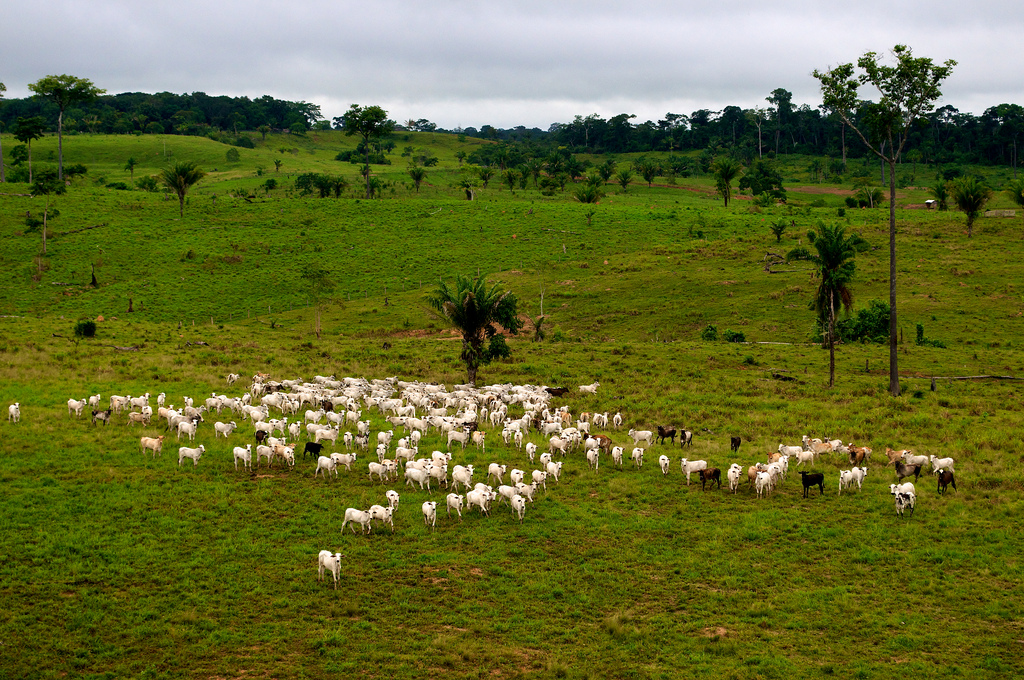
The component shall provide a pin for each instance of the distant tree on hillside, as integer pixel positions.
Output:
(1015, 190)
(417, 173)
(369, 122)
(179, 178)
(47, 184)
(64, 90)
(624, 177)
(25, 131)
(725, 170)
(129, 165)
(970, 196)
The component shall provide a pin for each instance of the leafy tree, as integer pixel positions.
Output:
(478, 312)
(417, 173)
(277, 164)
(47, 184)
(624, 177)
(835, 266)
(869, 196)
(725, 170)
(64, 90)
(460, 156)
(815, 168)
(1015, 190)
(908, 91)
(763, 176)
(369, 122)
(25, 131)
(263, 130)
(485, 173)
(970, 196)
(179, 178)
(130, 167)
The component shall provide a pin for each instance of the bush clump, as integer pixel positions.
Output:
(85, 329)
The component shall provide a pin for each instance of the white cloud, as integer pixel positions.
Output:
(520, 62)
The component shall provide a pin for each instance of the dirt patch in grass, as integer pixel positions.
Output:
(718, 631)
(823, 190)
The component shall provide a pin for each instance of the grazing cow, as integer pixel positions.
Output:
(734, 444)
(903, 471)
(812, 479)
(710, 475)
(685, 438)
(945, 479)
(313, 449)
(664, 432)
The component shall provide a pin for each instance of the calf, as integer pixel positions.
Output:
(710, 475)
(734, 444)
(685, 438)
(664, 432)
(313, 449)
(96, 415)
(812, 479)
(332, 563)
(945, 479)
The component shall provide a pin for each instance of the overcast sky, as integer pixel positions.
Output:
(515, 62)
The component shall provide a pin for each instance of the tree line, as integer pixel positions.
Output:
(781, 126)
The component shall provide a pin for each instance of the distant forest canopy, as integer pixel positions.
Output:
(781, 127)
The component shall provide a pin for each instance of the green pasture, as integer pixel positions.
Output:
(117, 564)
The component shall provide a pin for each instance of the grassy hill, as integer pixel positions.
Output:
(117, 564)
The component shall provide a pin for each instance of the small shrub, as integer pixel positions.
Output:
(709, 334)
(146, 183)
(118, 185)
(841, 212)
(85, 329)
(233, 156)
(749, 361)
(733, 336)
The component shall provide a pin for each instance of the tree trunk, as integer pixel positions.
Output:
(831, 339)
(894, 373)
(181, 206)
(842, 131)
(60, 145)
(46, 209)
(366, 147)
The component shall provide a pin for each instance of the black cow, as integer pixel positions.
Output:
(810, 479)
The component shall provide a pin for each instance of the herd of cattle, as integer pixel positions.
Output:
(464, 416)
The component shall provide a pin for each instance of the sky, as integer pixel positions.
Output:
(517, 62)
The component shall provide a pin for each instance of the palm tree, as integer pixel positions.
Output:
(970, 196)
(130, 166)
(485, 173)
(835, 266)
(725, 170)
(1015, 189)
(940, 192)
(179, 178)
(417, 173)
(624, 177)
(475, 311)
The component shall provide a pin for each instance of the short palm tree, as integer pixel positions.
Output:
(725, 171)
(179, 178)
(624, 177)
(940, 192)
(477, 312)
(418, 173)
(970, 196)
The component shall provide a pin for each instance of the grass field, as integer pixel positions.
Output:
(116, 564)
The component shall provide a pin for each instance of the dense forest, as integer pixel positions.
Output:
(781, 127)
